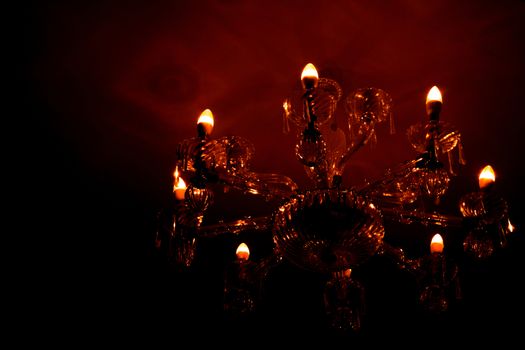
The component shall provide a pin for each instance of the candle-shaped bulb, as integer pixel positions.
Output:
(179, 186)
(309, 77)
(434, 103)
(434, 95)
(205, 123)
(486, 177)
(180, 189)
(242, 252)
(510, 227)
(347, 273)
(436, 245)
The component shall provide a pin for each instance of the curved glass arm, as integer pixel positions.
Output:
(399, 257)
(357, 143)
(323, 104)
(268, 185)
(440, 137)
(446, 135)
(232, 153)
(227, 160)
(262, 223)
(427, 219)
(395, 187)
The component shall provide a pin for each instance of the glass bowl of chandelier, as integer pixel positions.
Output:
(327, 230)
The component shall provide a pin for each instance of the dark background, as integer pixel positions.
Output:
(107, 92)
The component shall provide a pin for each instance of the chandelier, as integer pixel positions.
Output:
(329, 228)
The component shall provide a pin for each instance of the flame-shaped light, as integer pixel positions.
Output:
(510, 227)
(309, 76)
(206, 121)
(309, 71)
(180, 189)
(486, 177)
(242, 252)
(176, 174)
(179, 186)
(287, 107)
(347, 273)
(437, 245)
(434, 95)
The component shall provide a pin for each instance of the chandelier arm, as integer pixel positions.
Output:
(274, 181)
(265, 184)
(399, 257)
(354, 148)
(392, 175)
(262, 223)
(424, 218)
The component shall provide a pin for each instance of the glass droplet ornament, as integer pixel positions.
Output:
(310, 148)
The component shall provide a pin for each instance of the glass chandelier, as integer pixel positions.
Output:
(329, 228)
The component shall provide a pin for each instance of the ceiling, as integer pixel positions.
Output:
(113, 88)
(124, 83)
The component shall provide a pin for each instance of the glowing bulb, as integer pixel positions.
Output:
(347, 273)
(309, 71)
(436, 245)
(242, 252)
(309, 76)
(180, 189)
(206, 121)
(510, 227)
(486, 177)
(287, 107)
(434, 95)
(179, 186)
